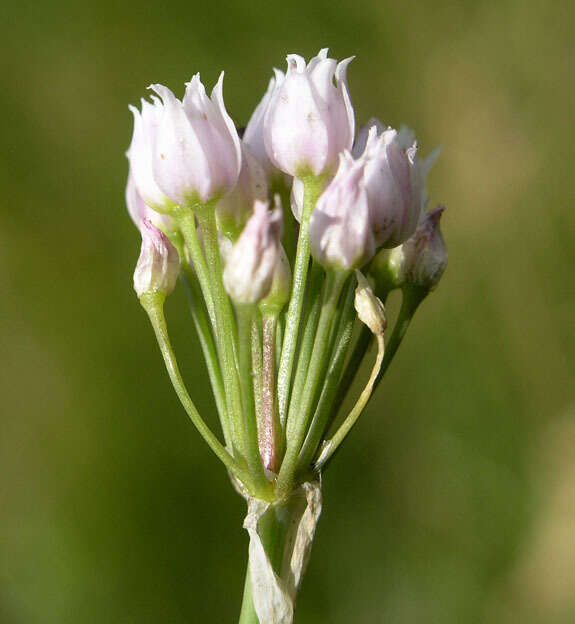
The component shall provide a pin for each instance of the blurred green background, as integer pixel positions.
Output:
(454, 501)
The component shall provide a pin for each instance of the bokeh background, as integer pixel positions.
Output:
(454, 501)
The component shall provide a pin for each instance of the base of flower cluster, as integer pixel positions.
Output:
(281, 536)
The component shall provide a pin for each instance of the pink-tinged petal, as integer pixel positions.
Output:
(393, 182)
(295, 146)
(139, 210)
(321, 55)
(340, 228)
(349, 117)
(367, 134)
(308, 121)
(321, 75)
(254, 134)
(216, 134)
(296, 63)
(134, 202)
(230, 139)
(140, 154)
(179, 164)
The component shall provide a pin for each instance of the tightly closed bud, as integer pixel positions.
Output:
(139, 210)
(158, 264)
(197, 153)
(140, 154)
(339, 230)
(425, 253)
(394, 186)
(236, 207)
(254, 134)
(251, 264)
(309, 120)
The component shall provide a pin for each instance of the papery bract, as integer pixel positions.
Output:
(340, 231)
(197, 154)
(158, 265)
(251, 264)
(309, 120)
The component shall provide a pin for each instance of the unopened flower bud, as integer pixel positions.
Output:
(339, 230)
(424, 255)
(309, 120)
(394, 186)
(235, 208)
(197, 154)
(251, 264)
(158, 264)
(139, 210)
(279, 292)
(140, 154)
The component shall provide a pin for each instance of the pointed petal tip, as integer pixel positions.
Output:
(162, 91)
(295, 63)
(276, 79)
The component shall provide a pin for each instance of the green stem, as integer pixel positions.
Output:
(187, 224)
(241, 429)
(306, 346)
(270, 439)
(201, 324)
(333, 286)
(354, 364)
(331, 446)
(248, 613)
(312, 190)
(257, 365)
(279, 340)
(225, 325)
(319, 423)
(245, 314)
(153, 303)
(411, 300)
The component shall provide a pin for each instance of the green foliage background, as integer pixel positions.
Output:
(454, 501)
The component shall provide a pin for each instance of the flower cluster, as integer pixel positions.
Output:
(269, 232)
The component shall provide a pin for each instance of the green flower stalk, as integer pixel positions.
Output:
(283, 335)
